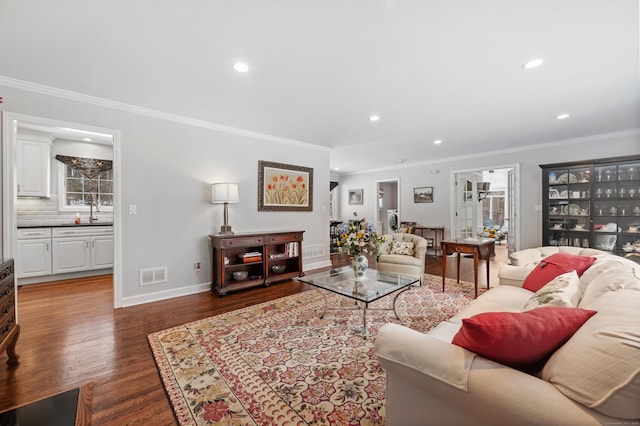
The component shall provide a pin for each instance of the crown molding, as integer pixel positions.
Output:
(535, 147)
(147, 112)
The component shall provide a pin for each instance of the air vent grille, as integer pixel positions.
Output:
(153, 275)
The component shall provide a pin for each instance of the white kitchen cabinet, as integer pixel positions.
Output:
(71, 254)
(33, 252)
(33, 168)
(82, 248)
(102, 252)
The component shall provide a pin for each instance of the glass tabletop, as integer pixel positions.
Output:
(373, 286)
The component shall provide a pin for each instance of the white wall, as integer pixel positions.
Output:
(439, 175)
(166, 171)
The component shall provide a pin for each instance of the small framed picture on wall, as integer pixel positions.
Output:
(355, 197)
(423, 194)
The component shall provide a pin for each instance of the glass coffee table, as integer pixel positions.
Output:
(375, 285)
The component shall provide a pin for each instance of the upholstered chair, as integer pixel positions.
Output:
(403, 254)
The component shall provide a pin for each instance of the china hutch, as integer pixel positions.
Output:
(593, 204)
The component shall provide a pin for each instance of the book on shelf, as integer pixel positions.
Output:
(291, 249)
(251, 259)
(277, 255)
(250, 254)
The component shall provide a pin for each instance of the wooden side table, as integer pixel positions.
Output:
(437, 231)
(480, 249)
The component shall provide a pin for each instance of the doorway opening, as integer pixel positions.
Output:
(85, 140)
(387, 206)
(486, 205)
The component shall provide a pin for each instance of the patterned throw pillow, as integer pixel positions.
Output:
(402, 247)
(563, 290)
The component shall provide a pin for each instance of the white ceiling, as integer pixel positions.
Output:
(449, 70)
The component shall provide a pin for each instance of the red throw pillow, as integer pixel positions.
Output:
(522, 340)
(554, 265)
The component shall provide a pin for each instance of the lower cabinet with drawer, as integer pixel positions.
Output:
(9, 328)
(46, 251)
(252, 259)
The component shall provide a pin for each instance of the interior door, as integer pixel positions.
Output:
(467, 204)
(512, 236)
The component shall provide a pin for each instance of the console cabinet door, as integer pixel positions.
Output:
(33, 257)
(71, 254)
(102, 252)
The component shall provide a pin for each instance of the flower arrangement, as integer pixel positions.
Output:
(359, 237)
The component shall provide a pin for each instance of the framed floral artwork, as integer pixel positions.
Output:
(284, 187)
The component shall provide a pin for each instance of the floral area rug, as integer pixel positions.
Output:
(279, 363)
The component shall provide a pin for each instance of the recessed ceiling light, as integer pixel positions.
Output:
(241, 67)
(87, 139)
(533, 63)
(437, 142)
(374, 117)
(562, 116)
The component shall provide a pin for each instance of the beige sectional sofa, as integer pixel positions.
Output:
(593, 379)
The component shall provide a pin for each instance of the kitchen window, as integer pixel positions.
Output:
(75, 191)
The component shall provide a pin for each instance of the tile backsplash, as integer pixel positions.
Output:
(44, 212)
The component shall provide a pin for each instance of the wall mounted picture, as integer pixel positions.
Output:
(423, 194)
(355, 197)
(283, 187)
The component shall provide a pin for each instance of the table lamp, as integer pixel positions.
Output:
(224, 192)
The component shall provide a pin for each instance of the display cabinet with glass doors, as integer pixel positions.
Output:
(593, 204)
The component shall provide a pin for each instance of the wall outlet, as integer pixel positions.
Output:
(197, 266)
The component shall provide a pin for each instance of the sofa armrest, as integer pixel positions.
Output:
(428, 379)
(425, 354)
(514, 275)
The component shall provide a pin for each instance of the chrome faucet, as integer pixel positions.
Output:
(91, 218)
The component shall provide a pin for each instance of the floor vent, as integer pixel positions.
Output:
(153, 276)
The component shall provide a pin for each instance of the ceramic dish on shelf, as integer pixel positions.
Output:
(579, 227)
(240, 275)
(278, 269)
(567, 178)
(554, 193)
(633, 228)
(572, 210)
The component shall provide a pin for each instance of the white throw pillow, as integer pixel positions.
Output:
(402, 247)
(563, 290)
(600, 365)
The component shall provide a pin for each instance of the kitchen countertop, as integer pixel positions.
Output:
(67, 225)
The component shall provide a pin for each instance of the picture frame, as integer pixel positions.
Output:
(423, 194)
(284, 187)
(355, 197)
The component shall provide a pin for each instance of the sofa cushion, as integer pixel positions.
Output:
(612, 279)
(402, 247)
(521, 340)
(563, 290)
(600, 365)
(554, 265)
(503, 298)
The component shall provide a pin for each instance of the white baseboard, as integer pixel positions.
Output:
(165, 294)
(309, 267)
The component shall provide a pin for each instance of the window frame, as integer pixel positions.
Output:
(62, 194)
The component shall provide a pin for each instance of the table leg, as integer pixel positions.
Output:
(475, 270)
(444, 266)
(364, 322)
(487, 273)
(458, 266)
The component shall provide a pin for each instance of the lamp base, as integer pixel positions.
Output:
(225, 230)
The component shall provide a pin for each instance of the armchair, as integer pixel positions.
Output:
(406, 259)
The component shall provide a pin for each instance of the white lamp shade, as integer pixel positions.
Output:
(224, 192)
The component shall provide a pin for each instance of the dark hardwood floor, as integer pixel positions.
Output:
(71, 335)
